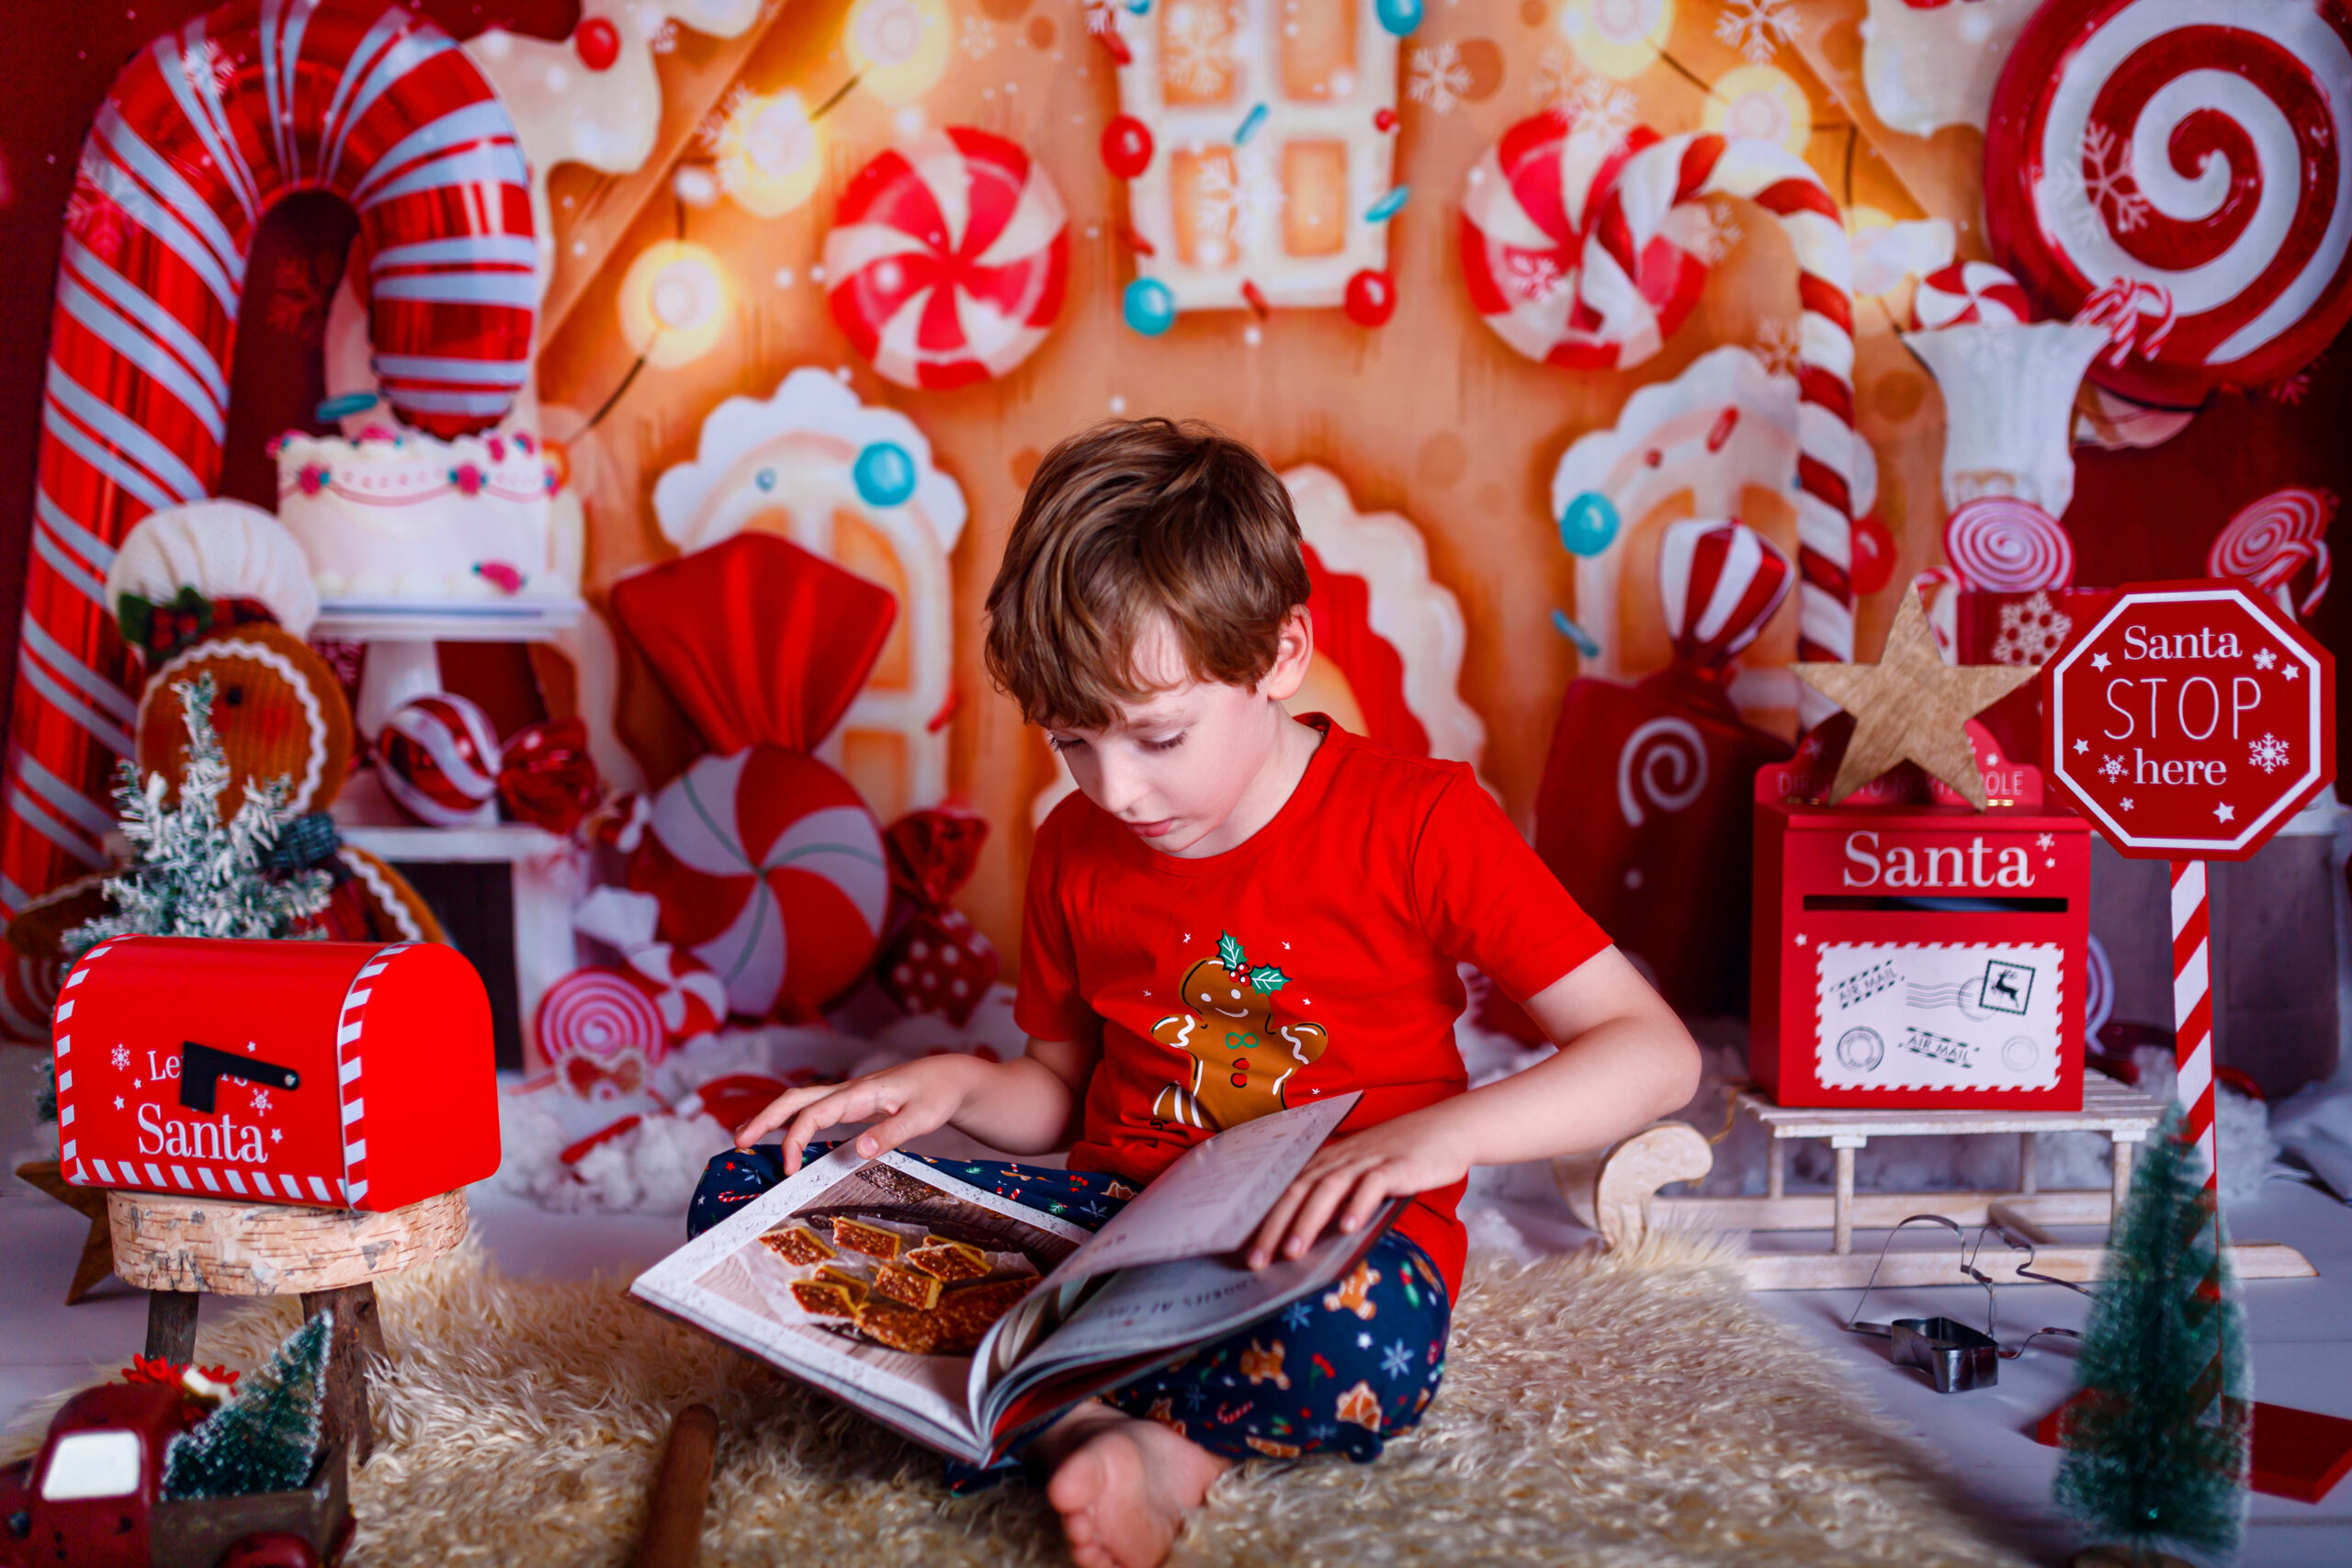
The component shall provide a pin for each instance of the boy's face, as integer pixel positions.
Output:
(1186, 761)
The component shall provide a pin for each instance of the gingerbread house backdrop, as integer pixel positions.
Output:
(1507, 289)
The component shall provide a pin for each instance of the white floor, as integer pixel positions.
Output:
(2301, 1332)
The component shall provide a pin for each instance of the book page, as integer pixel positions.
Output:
(876, 1279)
(1216, 1195)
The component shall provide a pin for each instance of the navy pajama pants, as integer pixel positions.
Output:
(1338, 1372)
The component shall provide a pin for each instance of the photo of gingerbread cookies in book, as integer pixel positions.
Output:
(892, 1263)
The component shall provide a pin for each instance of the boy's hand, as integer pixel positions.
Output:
(1351, 1179)
(913, 1098)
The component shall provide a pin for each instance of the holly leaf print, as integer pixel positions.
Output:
(1228, 951)
(1267, 979)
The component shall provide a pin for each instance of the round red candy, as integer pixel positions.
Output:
(598, 43)
(1127, 146)
(1372, 298)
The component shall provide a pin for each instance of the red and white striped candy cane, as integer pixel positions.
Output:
(2192, 1011)
(1650, 188)
(204, 132)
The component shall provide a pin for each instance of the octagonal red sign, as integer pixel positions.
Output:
(2191, 720)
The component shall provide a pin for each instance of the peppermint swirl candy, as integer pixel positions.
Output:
(1999, 544)
(1968, 294)
(600, 1013)
(2197, 148)
(2272, 540)
(1662, 766)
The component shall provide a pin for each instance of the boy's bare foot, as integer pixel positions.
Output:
(1122, 1486)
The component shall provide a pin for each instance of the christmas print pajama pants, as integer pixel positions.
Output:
(1339, 1371)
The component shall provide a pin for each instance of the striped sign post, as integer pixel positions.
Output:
(2192, 1011)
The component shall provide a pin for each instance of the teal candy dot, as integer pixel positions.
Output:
(1388, 206)
(765, 478)
(1398, 17)
(1589, 524)
(1149, 307)
(884, 474)
(345, 405)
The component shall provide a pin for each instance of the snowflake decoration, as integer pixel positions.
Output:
(1102, 16)
(94, 219)
(2044, 841)
(1398, 1359)
(1717, 232)
(1599, 110)
(1535, 276)
(1242, 194)
(1437, 77)
(665, 38)
(2124, 805)
(121, 1057)
(261, 1102)
(2032, 631)
(1555, 79)
(2271, 753)
(2112, 768)
(2291, 390)
(1195, 46)
(979, 36)
(2264, 658)
(1298, 1314)
(1757, 28)
(1779, 345)
(208, 66)
(2110, 193)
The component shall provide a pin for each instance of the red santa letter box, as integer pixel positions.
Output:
(341, 1073)
(1916, 955)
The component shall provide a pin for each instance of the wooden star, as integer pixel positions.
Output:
(1912, 707)
(97, 1249)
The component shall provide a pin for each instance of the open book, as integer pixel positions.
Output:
(963, 1319)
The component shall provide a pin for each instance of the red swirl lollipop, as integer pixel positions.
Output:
(2197, 151)
(1999, 544)
(600, 1013)
(2270, 543)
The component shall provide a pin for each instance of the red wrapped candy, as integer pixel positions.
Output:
(546, 778)
(938, 961)
(768, 866)
(1644, 812)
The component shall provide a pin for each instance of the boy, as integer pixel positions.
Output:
(1240, 911)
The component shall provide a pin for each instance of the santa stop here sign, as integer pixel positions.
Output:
(2191, 720)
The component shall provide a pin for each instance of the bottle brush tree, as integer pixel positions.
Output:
(191, 872)
(266, 1438)
(2156, 1450)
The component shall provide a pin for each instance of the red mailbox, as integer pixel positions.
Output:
(1919, 955)
(339, 1074)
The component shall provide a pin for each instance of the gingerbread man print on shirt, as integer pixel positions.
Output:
(1240, 1057)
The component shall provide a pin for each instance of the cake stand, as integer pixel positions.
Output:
(546, 876)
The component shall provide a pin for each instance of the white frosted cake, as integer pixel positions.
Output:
(405, 517)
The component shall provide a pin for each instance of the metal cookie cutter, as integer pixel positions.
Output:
(1955, 1357)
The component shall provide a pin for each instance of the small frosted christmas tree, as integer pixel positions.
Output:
(191, 873)
(266, 1438)
(2157, 1446)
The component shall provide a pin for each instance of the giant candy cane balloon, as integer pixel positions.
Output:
(1669, 176)
(2192, 148)
(205, 130)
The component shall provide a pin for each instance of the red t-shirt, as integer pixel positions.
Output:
(1316, 958)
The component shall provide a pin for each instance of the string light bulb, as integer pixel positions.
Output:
(674, 303)
(900, 48)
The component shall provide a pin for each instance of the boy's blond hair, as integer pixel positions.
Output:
(1127, 522)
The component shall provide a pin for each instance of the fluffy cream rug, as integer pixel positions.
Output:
(1627, 1410)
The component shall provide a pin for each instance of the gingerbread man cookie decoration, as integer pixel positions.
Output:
(1240, 1057)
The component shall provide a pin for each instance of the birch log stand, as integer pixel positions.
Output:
(177, 1249)
(1616, 1193)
